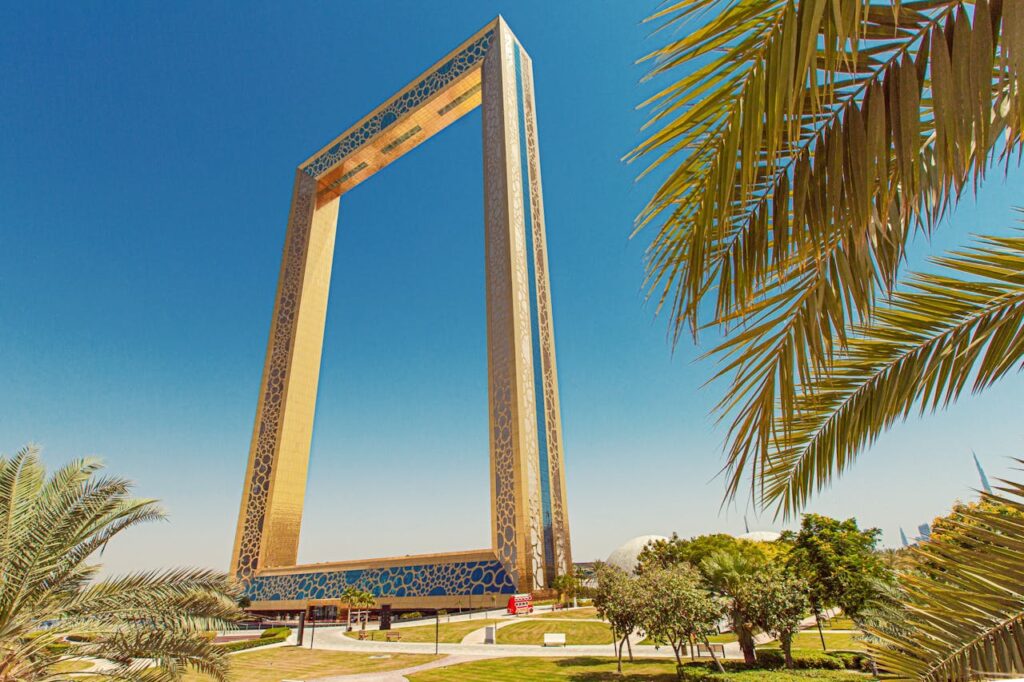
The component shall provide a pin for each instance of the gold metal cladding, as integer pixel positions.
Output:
(561, 561)
(483, 70)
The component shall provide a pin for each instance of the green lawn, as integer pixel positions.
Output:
(840, 623)
(584, 612)
(576, 632)
(71, 666)
(450, 633)
(579, 668)
(289, 663)
(724, 638)
(835, 641)
(592, 669)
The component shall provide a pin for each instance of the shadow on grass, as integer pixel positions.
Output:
(580, 662)
(630, 671)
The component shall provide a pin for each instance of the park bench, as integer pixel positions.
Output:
(394, 636)
(702, 650)
(554, 639)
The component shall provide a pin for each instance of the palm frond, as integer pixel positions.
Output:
(963, 599)
(947, 331)
(149, 625)
(811, 138)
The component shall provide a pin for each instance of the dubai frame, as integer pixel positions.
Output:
(529, 524)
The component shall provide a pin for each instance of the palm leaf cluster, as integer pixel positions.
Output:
(808, 140)
(963, 594)
(146, 626)
(957, 329)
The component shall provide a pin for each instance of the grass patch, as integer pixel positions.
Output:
(724, 638)
(840, 623)
(274, 665)
(532, 632)
(808, 639)
(70, 666)
(449, 633)
(571, 614)
(515, 669)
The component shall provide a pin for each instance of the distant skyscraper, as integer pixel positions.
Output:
(903, 538)
(925, 532)
(981, 473)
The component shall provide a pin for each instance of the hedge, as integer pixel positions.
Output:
(700, 673)
(251, 643)
(803, 659)
(770, 666)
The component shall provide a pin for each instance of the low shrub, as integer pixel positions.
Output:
(252, 643)
(276, 632)
(803, 659)
(853, 660)
(412, 615)
(701, 672)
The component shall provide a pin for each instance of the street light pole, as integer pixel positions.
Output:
(437, 629)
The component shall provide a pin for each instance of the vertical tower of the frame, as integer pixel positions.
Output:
(557, 550)
(527, 489)
(275, 484)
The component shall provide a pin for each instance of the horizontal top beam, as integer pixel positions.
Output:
(438, 97)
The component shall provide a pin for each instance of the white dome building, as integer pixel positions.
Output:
(625, 556)
(760, 536)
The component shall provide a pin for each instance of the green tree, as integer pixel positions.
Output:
(729, 574)
(675, 551)
(568, 585)
(806, 142)
(839, 563)
(358, 599)
(619, 601)
(675, 608)
(778, 603)
(148, 626)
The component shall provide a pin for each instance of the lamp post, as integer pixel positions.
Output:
(437, 629)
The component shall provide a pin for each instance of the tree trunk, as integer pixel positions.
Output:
(630, 647)
(618, 656)
(675, 649)
(786, 640)
(718, 664)
(817, 620)
(746, 640)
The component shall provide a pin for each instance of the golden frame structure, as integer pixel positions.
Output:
(530, 533)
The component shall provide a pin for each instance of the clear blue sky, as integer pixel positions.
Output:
(146, 158)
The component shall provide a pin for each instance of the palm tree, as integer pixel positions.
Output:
(359, 599)
(731, 574)
(806, 141)
(148, 626)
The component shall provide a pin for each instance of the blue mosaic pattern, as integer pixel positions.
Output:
(436, 81)
(425, 580)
